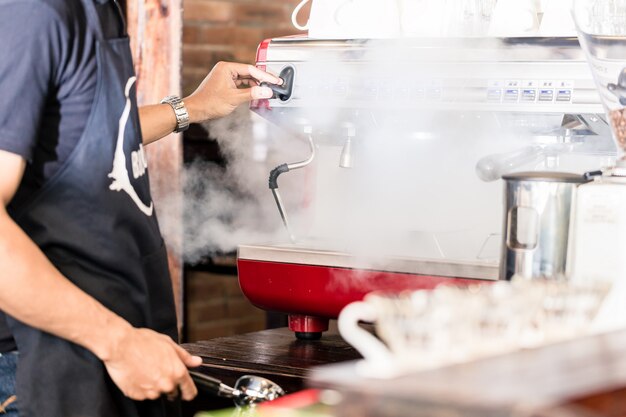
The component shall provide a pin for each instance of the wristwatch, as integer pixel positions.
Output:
(182, 116)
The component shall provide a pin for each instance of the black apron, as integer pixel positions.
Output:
(94, 219)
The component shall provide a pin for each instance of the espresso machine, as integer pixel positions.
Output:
(408, 142)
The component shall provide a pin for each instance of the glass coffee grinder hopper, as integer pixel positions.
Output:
(599, 225)
(601, 26)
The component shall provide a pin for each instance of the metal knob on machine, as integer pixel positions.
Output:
(538, 207)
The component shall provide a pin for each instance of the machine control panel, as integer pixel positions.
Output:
(530, 91)
(354, 91)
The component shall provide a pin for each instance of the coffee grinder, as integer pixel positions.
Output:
(599, 224)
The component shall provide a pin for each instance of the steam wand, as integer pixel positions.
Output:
(273, 181)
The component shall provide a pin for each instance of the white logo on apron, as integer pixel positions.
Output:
(121, 179)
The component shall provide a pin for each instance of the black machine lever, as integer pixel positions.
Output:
(283, 91)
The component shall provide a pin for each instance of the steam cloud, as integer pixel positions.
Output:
(225, 206)
(414, 190)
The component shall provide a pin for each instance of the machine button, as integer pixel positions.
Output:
(371, 91)
(494, 95)
(434, 92)
(385, 91)
(419, 93)
(529, 90)
(403, 92)
(546, 94)
(495, 88)
(341, 88)
(511, 95)
(564, 95)
(529, 95)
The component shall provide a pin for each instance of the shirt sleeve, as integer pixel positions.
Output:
(30, 51)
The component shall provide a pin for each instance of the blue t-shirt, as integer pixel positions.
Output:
(47, 86)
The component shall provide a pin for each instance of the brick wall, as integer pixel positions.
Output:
(216, 307)
(224, 30)
(229, 30)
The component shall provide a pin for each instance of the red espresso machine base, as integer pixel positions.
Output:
(313, 286)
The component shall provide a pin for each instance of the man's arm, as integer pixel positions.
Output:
(143, 363)
(217, 96)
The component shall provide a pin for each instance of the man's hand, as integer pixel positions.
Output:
(221, 91)
(145, 365)
(227, 86)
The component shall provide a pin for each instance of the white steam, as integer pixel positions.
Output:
(414, 189)
(225, 206)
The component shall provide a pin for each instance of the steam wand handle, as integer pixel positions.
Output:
(273, 183)
(275, 173)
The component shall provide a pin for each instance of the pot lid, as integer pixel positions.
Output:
(546, 176)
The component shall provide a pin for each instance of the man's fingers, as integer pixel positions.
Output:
(188, 359)
(246, 82)
(188, 389)
(149, 395)
(172, 396)
(245, 70)
(258, 92)
(167, 385)
(264, 76)
(244, 95)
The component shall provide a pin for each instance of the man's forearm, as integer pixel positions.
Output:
(157, 121)
(33, 291)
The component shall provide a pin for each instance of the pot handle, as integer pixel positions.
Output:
(294, 16)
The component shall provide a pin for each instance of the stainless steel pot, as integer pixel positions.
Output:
(537, 223)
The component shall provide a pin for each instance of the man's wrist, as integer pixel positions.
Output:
(108, 342)
(180, 111)
(195, 109)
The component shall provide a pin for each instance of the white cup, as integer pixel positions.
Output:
(413, 329)
(515, 18)
(420, 330)
(557, 19)
(351, 19)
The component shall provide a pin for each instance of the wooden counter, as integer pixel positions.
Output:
(274, 354)
(581, 377)
(578, 378)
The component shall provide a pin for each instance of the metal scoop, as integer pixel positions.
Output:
(248, 390)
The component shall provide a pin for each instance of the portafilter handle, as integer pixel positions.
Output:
(212, 385)
(249, 389)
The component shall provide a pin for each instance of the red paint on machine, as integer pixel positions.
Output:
(313, 294)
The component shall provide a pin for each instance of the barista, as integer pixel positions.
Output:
(84, 274)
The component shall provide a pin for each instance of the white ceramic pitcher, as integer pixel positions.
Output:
(515, 18)
(350, 19)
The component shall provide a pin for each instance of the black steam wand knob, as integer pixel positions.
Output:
(283, 91)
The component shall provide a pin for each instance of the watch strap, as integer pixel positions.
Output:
(182, 116)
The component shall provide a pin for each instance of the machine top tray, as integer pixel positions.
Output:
(520, 49)
(308, 254)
